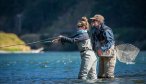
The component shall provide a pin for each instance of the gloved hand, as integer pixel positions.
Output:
(60, 36)
(57, 40)
(99, 52)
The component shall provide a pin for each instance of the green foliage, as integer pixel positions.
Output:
(126, 17)
(40, 15)
(134, 36)
(130, 34)
(11, 39)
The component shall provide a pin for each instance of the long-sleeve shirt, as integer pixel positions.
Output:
(104, 36)
(81, 38)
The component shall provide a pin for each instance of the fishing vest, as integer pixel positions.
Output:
(100, 35)
(84, 45)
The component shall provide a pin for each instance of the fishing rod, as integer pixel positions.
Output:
(48, 40)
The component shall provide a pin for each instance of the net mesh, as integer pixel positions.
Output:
(127, 53)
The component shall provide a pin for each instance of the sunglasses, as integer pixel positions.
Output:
(94, 20)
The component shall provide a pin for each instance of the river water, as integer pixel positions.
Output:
(62, 68)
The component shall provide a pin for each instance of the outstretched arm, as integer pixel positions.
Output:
(76, 38)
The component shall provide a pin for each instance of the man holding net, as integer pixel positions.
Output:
(103, 43)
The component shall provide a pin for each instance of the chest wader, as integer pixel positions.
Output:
(88, 60)
(106, 64)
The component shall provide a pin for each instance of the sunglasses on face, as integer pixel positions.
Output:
(94, 21)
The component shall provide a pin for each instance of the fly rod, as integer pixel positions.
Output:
(48, 40)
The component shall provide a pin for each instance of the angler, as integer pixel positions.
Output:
(88, 57)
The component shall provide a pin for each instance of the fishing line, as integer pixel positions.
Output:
(48, 40)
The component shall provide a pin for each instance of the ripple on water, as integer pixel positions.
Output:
(61, 68)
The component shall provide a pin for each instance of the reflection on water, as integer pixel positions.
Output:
(62, 68)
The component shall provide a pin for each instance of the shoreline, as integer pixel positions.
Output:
(40, 50)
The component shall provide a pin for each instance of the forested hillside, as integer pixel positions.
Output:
(47, 18)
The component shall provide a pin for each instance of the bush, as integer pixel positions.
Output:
(7, 39)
